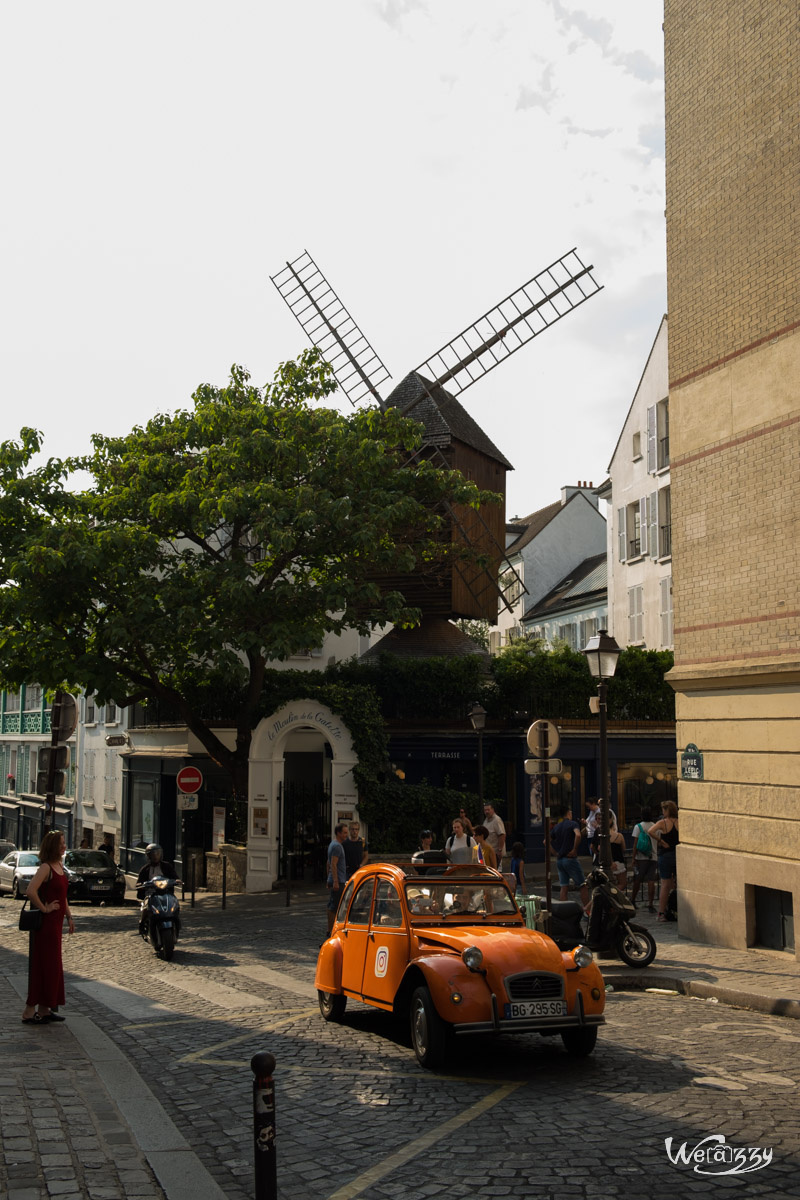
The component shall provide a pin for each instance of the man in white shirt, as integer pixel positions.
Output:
(497, 833)
(592, 824)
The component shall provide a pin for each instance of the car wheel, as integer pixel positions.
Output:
(580, 1042)
(331, 1005)
(15, 892)
(168, 943)
(636, 946)
(428, 1030)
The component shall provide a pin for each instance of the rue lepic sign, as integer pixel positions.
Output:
(691, 762)
(189, 781)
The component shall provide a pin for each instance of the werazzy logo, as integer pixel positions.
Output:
(713, 1156)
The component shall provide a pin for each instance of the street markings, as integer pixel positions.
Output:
(206, 989)
(420, 1144)
(202, 1056)
(122, 1000)
(276, 979)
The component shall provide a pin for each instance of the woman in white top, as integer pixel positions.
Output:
(458, 848)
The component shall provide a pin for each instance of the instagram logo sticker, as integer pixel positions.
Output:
(381, 961)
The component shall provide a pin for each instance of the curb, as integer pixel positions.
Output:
(734, 997)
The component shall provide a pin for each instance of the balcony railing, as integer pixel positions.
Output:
(634, 548)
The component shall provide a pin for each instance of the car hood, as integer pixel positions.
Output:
(26, 872)
(526, 949)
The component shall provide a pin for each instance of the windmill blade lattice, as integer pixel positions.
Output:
(329, 326)
(495, 336)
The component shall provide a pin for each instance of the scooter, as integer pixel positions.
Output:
(160, 915)
(609, 928)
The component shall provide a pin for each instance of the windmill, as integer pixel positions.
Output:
(429, 394)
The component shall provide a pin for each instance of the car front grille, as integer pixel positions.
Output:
(535, 985)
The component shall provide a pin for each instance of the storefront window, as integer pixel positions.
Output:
(644, 785)
(142, 820)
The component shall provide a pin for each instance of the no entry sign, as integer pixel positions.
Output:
(189, 779)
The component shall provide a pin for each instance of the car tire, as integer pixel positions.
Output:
(332, 1005)
(16, 894)
(581, 1041)
(636, 946)
(428, 1030)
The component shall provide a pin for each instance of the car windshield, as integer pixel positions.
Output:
(86, 858)
(28, 860)
(462, 901)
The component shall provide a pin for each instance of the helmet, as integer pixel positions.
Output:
(154, 852)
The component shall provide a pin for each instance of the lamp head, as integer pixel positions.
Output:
(602, 653)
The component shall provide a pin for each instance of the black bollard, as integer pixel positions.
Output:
(289, 862)
(262, 1065)
(194, 867)
(224, 878)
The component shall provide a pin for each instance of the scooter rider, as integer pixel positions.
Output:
(154, 868)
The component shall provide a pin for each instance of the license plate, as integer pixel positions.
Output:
(100, 887)
(536, 1008)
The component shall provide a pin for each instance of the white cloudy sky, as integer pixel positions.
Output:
(162, 160)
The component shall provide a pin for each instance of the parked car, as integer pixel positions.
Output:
(6, 848)
(91, 875)
(451, 954)
(17, 869)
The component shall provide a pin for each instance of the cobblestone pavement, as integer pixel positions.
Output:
(356, 1116)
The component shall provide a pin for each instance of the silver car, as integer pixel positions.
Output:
(17, 869)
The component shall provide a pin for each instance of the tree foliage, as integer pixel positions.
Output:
(212, 541)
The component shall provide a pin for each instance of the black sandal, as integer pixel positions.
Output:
(34, 1020)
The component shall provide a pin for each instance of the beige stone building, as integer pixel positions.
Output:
(733, 235)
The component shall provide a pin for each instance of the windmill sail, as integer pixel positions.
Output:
(329, 326)
(495, 336)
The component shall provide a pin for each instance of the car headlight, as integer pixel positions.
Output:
(582, 956)
(473, 958)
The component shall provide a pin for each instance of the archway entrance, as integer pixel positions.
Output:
(301, 784)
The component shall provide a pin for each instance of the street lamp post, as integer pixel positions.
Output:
(477, 717)
(602, 653)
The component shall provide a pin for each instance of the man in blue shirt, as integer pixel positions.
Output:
(565, 837)
(337, 872)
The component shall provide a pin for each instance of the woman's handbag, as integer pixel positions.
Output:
(30, 920)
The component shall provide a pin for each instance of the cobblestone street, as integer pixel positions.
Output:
(356, 1116)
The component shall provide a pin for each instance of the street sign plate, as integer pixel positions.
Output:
(188, 802)
(68, 718)
(543, 766)
(549, 735)
(189, 779)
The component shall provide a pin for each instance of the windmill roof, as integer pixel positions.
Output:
(443, 416)
(587, 579)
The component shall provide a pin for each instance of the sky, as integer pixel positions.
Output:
(162, 160)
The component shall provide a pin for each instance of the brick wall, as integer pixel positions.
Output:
(732, 74)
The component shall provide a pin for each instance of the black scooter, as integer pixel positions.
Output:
(610, 927)
(160, 915)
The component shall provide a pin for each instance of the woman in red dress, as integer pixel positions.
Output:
(47, 891)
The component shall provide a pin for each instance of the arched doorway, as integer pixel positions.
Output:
(301, 783)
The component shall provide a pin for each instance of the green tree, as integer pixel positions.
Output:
(213, 541)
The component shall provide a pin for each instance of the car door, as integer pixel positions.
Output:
(387, 946)
(7, 871)
(354, 937)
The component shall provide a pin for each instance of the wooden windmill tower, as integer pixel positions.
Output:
(429, 395)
